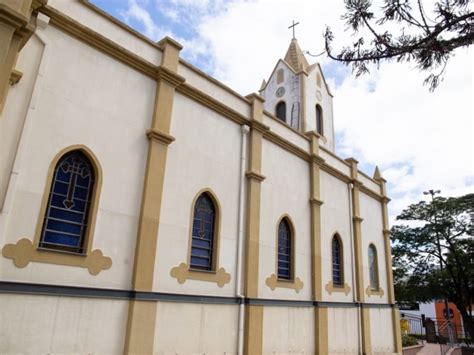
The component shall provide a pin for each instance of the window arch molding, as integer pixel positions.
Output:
(294, 282)
(286, 219)
(216, 274)
(374, 280)
(26, 250)
(94, 201)
(337, 260)
(280, 110)
(216, 228)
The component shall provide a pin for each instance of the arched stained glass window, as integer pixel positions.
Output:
(337, 264)
(202, 246)
(319, 120)
(373, 268)
(284, 250)
(280, 111)
(67, 213)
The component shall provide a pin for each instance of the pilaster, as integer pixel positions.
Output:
(253, 331)
(17, 24)
(358, 251)
(142, 314)
(320, 315)
(388, 261)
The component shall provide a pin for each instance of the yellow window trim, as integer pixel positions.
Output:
(26, 251)
(217, 274)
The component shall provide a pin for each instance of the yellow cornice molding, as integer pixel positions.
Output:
(160, 136)
(372, 193)
(318, 160)
(287, 145)
(168, 41)
(97, 41)
(335, 172)
(255, 176)
(330, 288)
(10, 17)
(357, 219)
(15, 76)
(183, 273)
(169, 76)
(273, 282)
(316, 202)
(259, 126)
(212, 103)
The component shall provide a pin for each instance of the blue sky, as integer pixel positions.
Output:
(420, 140)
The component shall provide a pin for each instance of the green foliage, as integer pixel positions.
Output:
(428, 39)
(409, 340)
(433, 254)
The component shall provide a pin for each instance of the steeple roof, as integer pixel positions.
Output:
(295, 57)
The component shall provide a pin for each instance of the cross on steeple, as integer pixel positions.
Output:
(293, 27)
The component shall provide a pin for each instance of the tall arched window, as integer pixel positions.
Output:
(337, 262)
(285, 271)
(67, 213)
(319, 120)
(280, 111)
(203, 238)
(373, 268)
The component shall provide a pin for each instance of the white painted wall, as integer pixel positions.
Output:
(325, 102)
(381, 323)
(343, 337)
(335, 218)
(288, 330)
(206, 154)
(284, 191)
(195, 329)
(292, 86)
(109, 113)
(372, 233)
(34, 324)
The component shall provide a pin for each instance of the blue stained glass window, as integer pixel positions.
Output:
(373, 268)
(284, 250)
(202, 245)
(65, 222)
(337, 276)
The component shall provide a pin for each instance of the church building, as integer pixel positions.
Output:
(147, 208)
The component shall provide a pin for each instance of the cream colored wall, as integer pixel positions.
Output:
(109, 113)
(369, 183)
(335, 162)
(34, 324)
(343, 336)
(290, 95)
(381, 323)
(372, 228)
(326, 104)
(17, 107)
(288, 330)
(211, 87)
(335, 218)
(284, 191)
(285, 132)
(89, 18)
(188, 328)
(206, 154)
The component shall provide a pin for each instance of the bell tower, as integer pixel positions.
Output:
(297, 94)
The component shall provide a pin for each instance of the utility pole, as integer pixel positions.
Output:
(438, 245)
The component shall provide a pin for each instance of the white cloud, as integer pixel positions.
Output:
(421, 140)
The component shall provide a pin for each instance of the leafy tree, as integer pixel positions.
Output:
(428, 39)
(434, 254)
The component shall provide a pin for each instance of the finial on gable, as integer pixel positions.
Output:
(264, 84)
(378, 175)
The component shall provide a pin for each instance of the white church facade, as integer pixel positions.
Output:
(146, 208)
